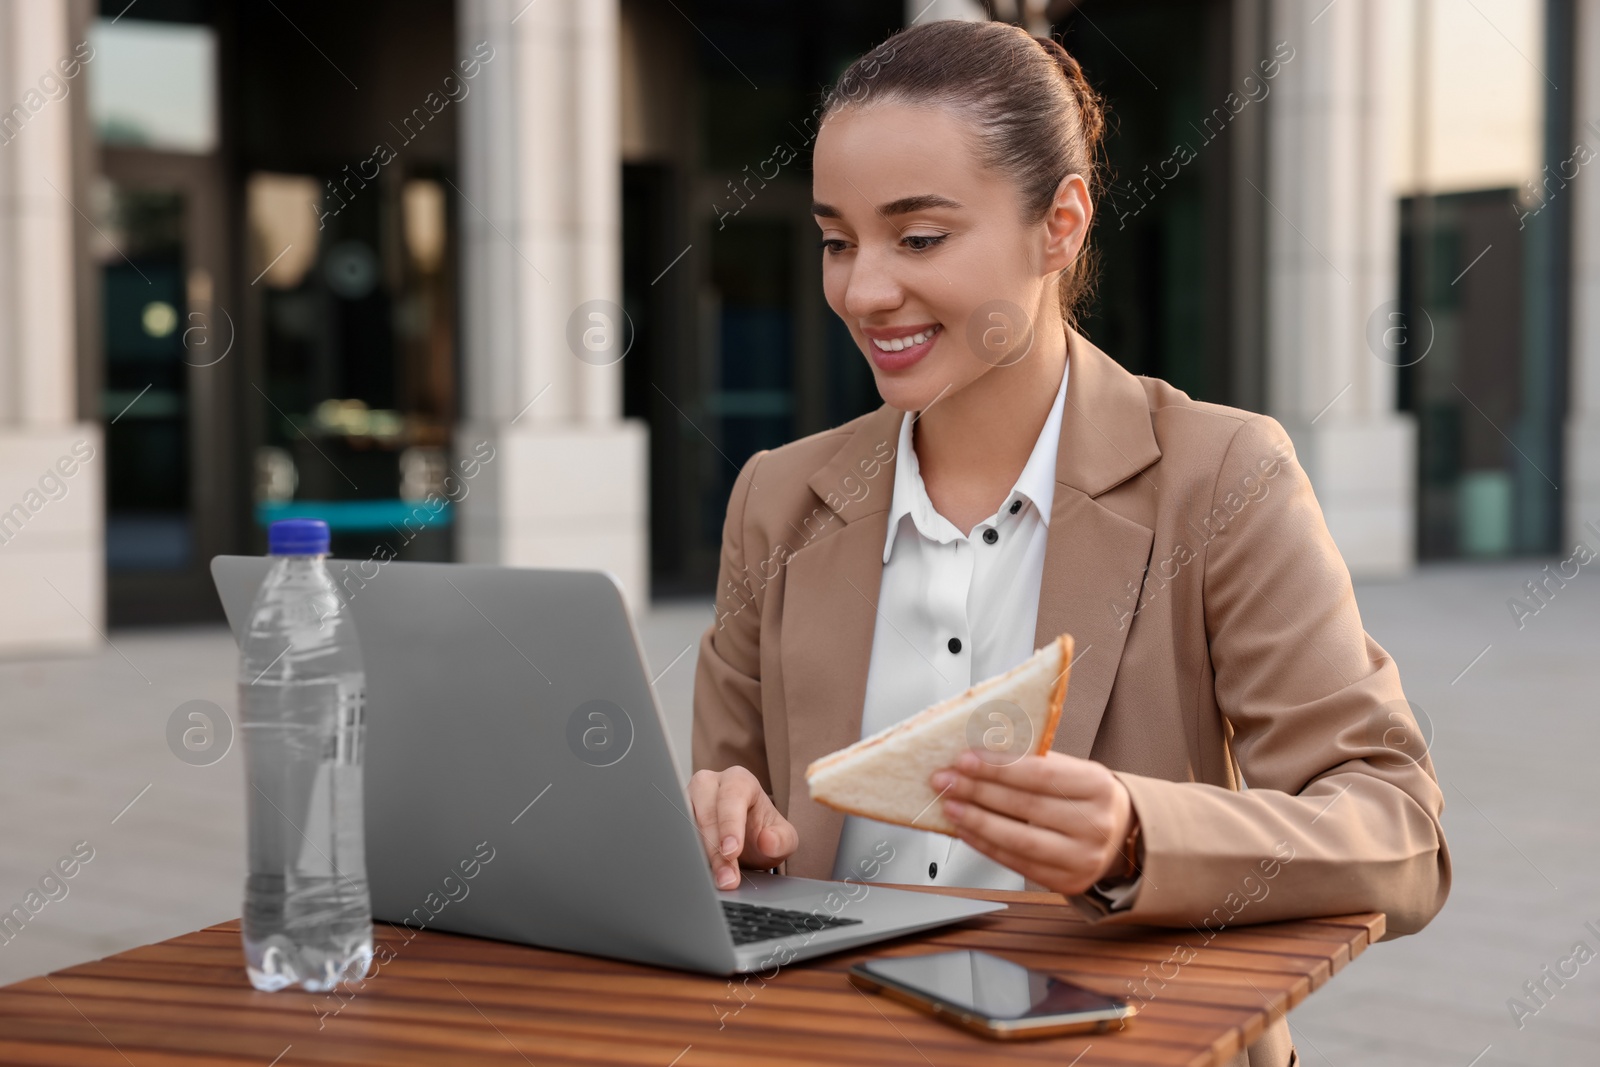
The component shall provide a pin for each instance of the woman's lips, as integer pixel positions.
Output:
(893, 361)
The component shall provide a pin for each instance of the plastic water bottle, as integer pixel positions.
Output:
(302, 693)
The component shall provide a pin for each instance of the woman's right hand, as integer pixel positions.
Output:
(738, 824)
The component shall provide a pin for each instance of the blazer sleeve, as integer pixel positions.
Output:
(1341, 810)
(728, 729)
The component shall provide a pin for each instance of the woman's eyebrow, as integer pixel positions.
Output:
(903, 206)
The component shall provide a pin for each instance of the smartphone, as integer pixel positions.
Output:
(992, 996)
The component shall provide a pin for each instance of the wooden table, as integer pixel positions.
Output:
(446, 999)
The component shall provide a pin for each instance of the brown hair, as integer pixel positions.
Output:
(1036, 117)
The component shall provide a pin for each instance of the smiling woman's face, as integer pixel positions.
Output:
(918, 237)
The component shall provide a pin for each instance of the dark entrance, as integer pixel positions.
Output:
(278, 325)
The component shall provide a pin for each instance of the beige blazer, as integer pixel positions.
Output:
(1218, 646)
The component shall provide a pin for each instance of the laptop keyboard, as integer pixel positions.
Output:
(755, 922)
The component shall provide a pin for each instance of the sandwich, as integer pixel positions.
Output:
(885, 776)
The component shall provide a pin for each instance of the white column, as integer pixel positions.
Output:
(1331, 247)
(541, 217)
(51, 498)
(1582, 483)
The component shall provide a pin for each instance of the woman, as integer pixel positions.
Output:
(1017, 484)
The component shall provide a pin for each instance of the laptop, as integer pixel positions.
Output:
(519, 782)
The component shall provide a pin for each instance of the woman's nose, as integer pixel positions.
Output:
(872, 288)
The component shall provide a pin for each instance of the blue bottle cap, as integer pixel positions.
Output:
(298, 537)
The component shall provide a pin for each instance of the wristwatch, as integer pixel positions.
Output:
(1131, 848)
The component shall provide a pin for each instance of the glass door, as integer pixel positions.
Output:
(146, 399)
(166, 366)
(165, 384)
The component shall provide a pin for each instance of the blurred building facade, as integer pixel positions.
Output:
(490, 280)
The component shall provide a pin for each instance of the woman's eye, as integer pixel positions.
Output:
(921, 242)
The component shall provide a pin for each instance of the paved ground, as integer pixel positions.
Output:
(1516, 737)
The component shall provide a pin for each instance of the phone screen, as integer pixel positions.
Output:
(990, 986)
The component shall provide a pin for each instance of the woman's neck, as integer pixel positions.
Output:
(972, 445)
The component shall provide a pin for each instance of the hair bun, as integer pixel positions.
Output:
(1091, 106)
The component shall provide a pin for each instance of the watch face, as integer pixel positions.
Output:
(1130, 853)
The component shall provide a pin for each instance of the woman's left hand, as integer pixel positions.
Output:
(1056, 819)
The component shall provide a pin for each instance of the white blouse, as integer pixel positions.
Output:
(953, 609)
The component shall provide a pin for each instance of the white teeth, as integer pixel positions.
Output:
(900, 343)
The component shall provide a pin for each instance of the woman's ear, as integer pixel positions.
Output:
(1067, 222)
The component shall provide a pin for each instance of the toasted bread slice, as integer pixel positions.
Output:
(885, 776)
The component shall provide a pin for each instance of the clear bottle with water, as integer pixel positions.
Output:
(302, 693)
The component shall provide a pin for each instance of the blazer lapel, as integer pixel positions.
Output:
(1093, 556)
(829, 616)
